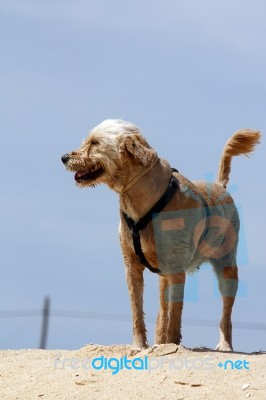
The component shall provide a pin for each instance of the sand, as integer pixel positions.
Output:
(164, 372)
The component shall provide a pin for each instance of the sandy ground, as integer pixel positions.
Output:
(163, 372)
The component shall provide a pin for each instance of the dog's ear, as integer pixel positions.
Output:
(137, 146)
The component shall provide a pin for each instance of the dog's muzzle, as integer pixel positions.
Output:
(65, 158)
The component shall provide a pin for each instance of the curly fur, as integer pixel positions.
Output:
(180, 238)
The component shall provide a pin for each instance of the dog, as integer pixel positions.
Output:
(168, 223)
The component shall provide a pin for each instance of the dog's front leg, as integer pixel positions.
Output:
(135, 282)
(162, 318)
(174, 295)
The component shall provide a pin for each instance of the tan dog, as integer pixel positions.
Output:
(198, 223)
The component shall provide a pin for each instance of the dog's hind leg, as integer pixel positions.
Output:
(174, 296)
(228, 283)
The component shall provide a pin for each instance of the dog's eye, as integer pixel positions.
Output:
(93, 142)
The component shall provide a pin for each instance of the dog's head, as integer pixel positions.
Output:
(113, 153)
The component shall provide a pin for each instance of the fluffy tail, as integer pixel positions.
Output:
(242, 142)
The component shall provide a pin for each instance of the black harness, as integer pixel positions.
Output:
(137, 227)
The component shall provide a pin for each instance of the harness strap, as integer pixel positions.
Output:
(137, 227)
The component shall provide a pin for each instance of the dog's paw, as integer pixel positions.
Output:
(224, 346)
(137, 345)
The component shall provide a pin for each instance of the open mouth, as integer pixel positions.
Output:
(93, 173)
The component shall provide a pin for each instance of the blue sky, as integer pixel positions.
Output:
(189, 73)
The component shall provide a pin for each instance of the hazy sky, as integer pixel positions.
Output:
(189, 73)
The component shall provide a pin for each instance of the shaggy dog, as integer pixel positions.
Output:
(168, 223)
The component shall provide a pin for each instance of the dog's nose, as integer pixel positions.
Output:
(65, 158)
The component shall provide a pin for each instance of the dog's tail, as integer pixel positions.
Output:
(242, 142)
